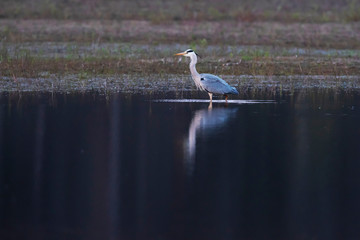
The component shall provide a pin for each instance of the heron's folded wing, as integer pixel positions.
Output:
(214, 84)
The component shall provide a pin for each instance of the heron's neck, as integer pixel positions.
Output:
(195, 75)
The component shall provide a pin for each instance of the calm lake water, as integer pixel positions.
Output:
(125, 166)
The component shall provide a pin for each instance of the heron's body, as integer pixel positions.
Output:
(207, 82)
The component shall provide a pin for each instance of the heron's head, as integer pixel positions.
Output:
(187, 53)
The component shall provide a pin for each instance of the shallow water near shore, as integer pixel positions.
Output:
(163, 165)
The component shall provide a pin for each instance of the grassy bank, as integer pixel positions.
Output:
(34, 59)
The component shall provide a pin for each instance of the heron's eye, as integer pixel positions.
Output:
(189, 51)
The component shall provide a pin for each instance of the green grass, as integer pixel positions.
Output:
(29, 66)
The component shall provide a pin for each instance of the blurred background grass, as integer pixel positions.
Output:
(159, 11)
(255, 37)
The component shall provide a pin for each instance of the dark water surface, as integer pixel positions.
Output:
(125, 167)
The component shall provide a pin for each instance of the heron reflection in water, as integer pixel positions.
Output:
(207, 122)
(207, 82)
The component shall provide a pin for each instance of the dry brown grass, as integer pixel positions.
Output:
(159, 11)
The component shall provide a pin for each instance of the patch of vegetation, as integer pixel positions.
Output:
(33, 59)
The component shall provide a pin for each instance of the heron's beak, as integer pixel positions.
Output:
(180, 54)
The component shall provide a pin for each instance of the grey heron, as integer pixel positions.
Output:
(207, 82)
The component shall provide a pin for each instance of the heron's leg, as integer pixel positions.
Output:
(226, 97)
(210, 95)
